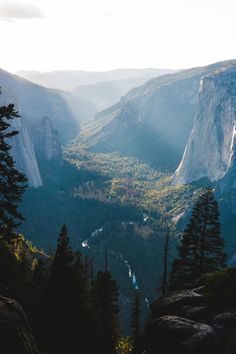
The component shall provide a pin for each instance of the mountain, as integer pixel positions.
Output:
(70, 79)
(209, 155)
(151, 122)
(46, 121)
(82, 108)
(107, 93)
(90, 92)
(32, 144)
(210, 149)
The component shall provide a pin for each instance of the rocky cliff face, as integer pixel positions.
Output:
(210, 148)
(38, 137)
(46, 140)
(23, 150)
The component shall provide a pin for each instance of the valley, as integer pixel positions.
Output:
(117, 177)
(113, 178)
(113, 183)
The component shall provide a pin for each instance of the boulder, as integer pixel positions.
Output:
(181, 303)
(16, 336)
(226, 319)
(225, 326)
(177, 335)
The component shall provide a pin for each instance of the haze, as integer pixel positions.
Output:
(107, 34)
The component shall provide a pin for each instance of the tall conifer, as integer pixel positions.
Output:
(136, 324)
(65, 301)
(202, 247)
(106, 309)
(12, 182)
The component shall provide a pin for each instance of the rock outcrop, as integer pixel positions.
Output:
(183, 323)
(177, 335)
(23, 150)
(46, 140)
(187, 303)
(210, 148)
(16, 336)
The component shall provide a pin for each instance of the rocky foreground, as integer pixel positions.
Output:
(182, 323)
(16, 336)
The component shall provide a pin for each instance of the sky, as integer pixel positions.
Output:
(101, 35)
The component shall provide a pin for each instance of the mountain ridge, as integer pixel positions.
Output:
(151, 122)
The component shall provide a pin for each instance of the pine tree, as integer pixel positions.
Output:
(106, 309)
(65, 302)
(64, 256)
(202, 247)
(33, 298)
(12, 182)
(136, 324)
(165, 263)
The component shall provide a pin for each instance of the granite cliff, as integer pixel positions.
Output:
(46, 121)
(210, 148)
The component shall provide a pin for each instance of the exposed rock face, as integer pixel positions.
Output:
(46, 140)
(37, 136)
(24, 154)
(181, 303)
(177, 335)
(209, 151)
(182, 323)
(16, 336)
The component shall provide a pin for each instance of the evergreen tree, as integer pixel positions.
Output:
(106, 309)
(136, 324)
(33, 298)
(65, 302)
(12, 182)
(165, 263)
(202, 247)
(63, 258)
(8, 269)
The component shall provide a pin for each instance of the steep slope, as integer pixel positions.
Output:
(152, 122)
(82, 108)
(34, 102)
(43, 112)
(209, 151)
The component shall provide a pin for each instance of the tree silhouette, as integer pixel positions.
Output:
(202, 248)
(12, 182)
(136, 324)
(105, 295)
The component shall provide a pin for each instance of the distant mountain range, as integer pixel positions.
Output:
(70, 79)
(100, 89)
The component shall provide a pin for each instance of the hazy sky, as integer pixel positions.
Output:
(106, 34)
